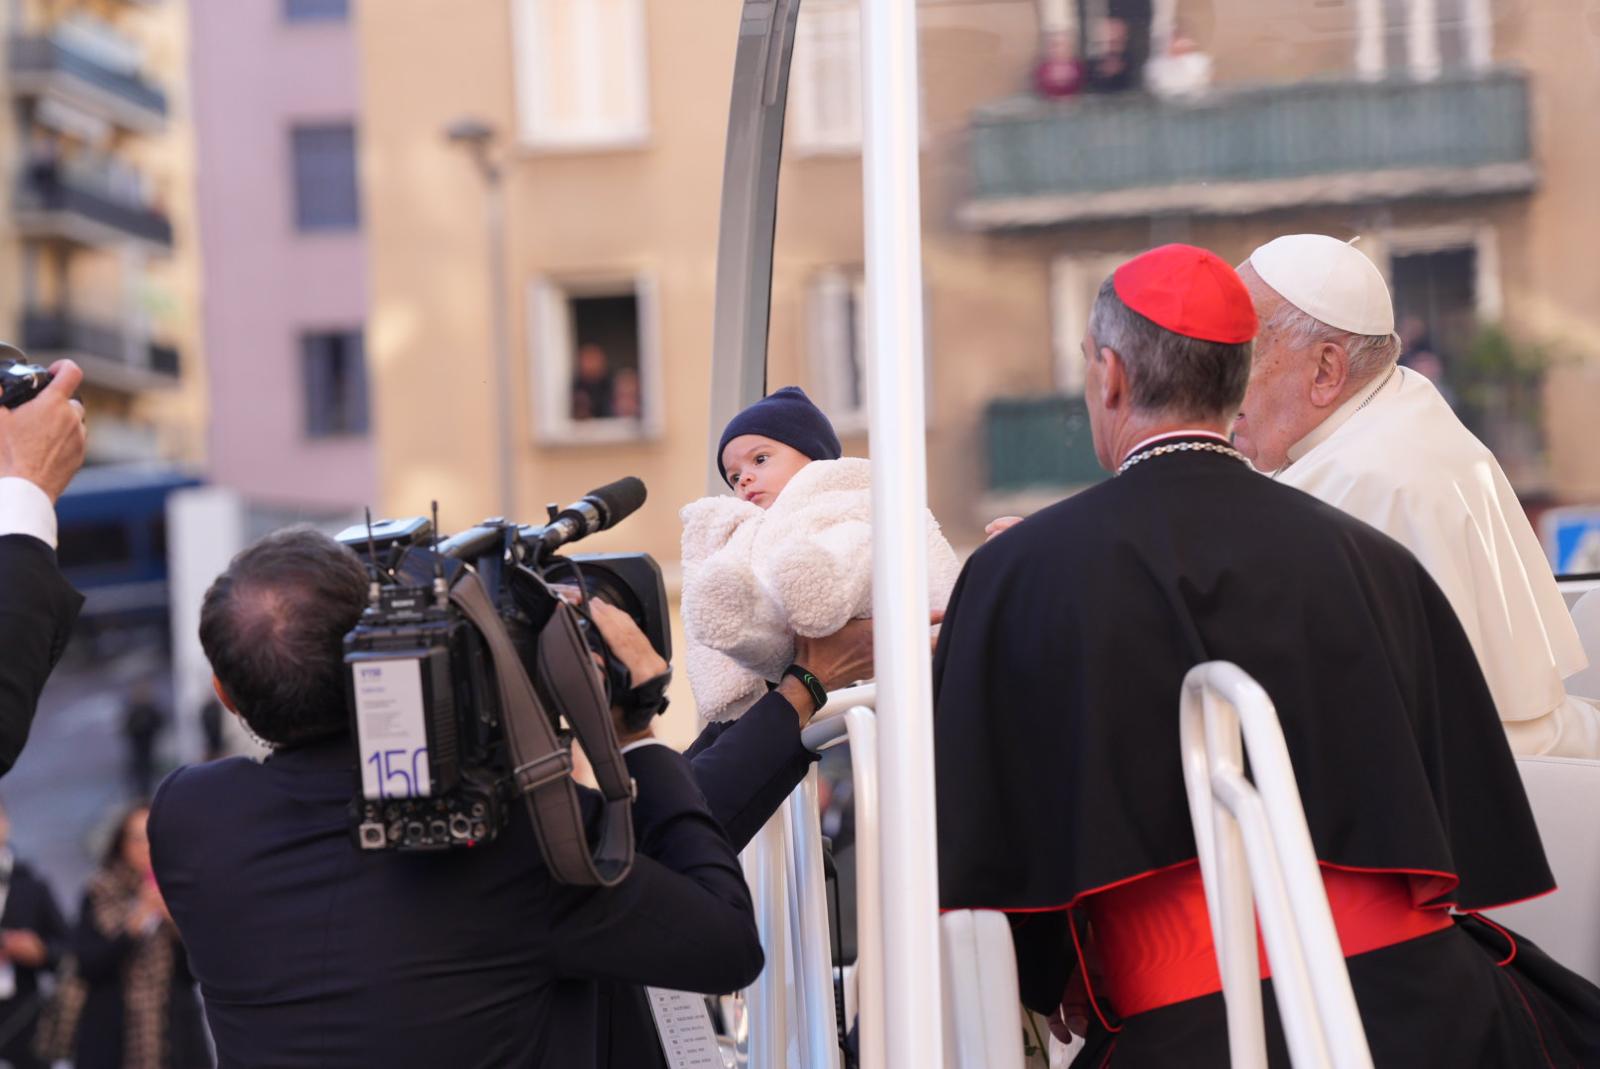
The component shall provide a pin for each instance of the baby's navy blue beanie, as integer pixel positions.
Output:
(786, 416)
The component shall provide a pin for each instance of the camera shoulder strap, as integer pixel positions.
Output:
(542, 765)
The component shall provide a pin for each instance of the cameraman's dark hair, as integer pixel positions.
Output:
(1168, 372)
(273, 626)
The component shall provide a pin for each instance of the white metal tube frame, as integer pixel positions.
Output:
(1254, 837)
(792, 1018)
(848, 715)
(912, 1020)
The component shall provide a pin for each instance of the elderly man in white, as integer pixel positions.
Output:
(1329, 411)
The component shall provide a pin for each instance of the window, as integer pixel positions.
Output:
(325, 194)
(1423, 37)
(1075, 281)
(837, 346)
(825, 78)
(595, 362)
(335, 367)
(581, 72)
(316, 10)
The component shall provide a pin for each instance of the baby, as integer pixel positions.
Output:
(790, 554)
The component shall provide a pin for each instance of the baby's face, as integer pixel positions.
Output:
(759, 468)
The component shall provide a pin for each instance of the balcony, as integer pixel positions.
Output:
(111, 358)
(1238, 151)
(86, 206)
(56, 67)
(1039, 447)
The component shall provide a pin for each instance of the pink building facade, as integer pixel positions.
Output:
(284, 281)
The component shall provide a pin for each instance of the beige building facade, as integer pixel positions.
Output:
(1453, 136)
(99, 248)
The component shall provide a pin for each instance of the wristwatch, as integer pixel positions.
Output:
(813, 685)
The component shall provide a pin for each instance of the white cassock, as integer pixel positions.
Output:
(1399, 459)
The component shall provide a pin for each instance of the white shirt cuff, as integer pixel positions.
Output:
(636, 743)
(26, 510)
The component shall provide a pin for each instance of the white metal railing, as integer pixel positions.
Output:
(791, 1016)
(913, 1010)
(1254, 838)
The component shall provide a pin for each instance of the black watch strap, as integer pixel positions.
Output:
(813, 685)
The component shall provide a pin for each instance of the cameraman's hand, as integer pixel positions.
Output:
(628, 643)
(42, 440)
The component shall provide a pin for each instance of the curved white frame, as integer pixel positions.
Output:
(1254, 838)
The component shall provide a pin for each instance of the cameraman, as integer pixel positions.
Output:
(310, 952)
(41, 449)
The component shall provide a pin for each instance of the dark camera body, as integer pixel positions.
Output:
(20, 383)
(424, 704)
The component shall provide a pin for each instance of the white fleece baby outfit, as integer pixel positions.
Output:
(752, 578)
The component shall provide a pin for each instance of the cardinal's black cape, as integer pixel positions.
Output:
(1057, 680)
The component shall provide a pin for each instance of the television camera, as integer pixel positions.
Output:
(474, 666)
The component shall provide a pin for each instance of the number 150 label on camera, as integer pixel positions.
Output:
(393, 736)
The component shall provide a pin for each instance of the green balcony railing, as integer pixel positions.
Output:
(1039, 443)
(1028, 148)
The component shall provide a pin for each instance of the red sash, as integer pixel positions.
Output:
(1153, 935)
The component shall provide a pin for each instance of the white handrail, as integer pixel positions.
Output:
(766, 1033)
(1261, 829)
(859, 725)
(892, 209)
(817, 1026)
(792, 1023)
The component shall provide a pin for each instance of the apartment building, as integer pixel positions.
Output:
(277, 119)
(1443, 132)
(99, 249)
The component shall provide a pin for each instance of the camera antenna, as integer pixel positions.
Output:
(372, 556)
(440, 590)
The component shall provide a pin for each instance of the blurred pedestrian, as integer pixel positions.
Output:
(32, 937)
(211, 729)
(127, 999)
(143, 720)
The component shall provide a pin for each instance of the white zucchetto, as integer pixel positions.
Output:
(1327, 279)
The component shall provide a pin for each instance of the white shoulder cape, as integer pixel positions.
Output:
(1407, 466)
(754, 579)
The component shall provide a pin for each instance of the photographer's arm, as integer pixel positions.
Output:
(41, 447)
(746, 768)
(682, 918)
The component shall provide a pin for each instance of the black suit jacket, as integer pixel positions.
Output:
(37, 609)
(310, 952)
(746, 768)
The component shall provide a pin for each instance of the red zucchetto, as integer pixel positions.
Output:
(1189, 291)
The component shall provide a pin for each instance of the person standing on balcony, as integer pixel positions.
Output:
(1056, 684)
(1330, 412)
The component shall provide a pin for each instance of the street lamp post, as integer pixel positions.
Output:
(478, 138)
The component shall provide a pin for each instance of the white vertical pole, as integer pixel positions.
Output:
(913, 1030)
(1422, 40)
(1369, 39)
(1479, 27)
(767, 1000)
(205, 528)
